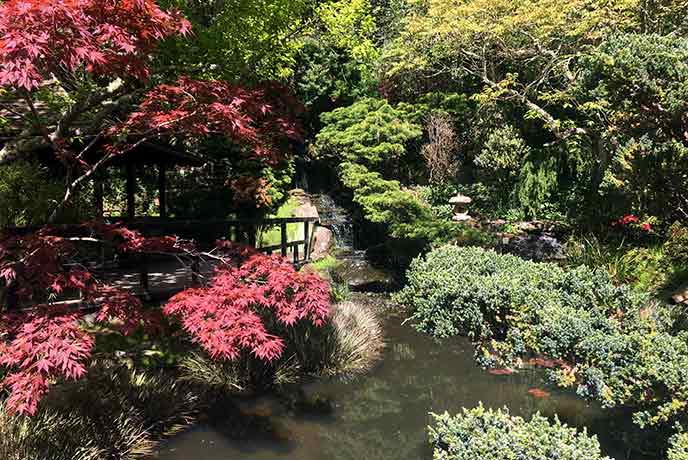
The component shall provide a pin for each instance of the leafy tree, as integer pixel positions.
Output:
(252, 302)
(376, 148)
(634, 90)
(369, 132)
(239, 40)
(97, 71)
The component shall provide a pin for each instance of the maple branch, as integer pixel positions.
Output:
(72, 114)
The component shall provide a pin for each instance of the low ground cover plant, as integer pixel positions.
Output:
(486, 434)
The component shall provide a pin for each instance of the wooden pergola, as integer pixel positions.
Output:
(160, 156)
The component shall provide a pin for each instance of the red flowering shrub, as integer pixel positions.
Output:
(626, 220)
(234, 314)
(633, 223)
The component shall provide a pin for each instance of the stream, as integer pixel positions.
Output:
(383, 415)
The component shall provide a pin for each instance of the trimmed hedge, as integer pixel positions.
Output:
(485, 434)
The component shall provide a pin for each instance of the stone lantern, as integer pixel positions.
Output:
(460, 203)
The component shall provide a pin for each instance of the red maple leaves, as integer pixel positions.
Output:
(40, 38)
(43, 346)
(42, 341)
(261, 119)
(236, 312)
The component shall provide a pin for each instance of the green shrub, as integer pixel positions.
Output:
(678, 448)
(485, 434)
(613, 345)
(676, 246)
(488, 296)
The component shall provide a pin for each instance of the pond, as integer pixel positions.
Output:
(383, 415)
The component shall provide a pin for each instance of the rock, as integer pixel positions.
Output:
(360, 275)
(681, 296)
(535, 247)
(322, 243)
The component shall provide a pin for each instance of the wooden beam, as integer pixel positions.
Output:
(131, 190)
(307, 239)
(283, 234)
(162, 189)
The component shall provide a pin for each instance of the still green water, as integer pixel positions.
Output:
(384, 415)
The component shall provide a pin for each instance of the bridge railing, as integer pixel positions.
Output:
(138, 271)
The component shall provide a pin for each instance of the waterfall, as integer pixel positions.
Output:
(337, 219)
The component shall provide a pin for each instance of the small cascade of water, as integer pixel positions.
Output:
(337, 219)
(355, 268)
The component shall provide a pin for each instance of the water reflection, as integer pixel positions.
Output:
(384, 415)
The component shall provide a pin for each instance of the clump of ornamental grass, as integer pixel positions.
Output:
(349, 344)
(115, 412)
(353, 340)
(222, 376)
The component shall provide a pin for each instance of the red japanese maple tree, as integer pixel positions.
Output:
(43, 342)
(97, 52)
(40, 38)
(227, 318)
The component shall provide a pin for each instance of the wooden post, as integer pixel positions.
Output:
(306, 239)
(283, 234)
(98, 202)
(162, 190)
(195, 270)
(143, 277)
(131, 190)
(296, 254)
(11, 298)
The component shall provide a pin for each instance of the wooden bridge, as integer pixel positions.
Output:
(160, 277)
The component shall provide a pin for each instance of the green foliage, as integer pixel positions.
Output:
(371, 141)
(644, 268)
(678, 449)
(503, 154)
(486, 296)
(238, 39)
(27, 194)
(113, 413)
(370, 132)
(613, 345)
(637, 86)
(676, 246)
(405, 215)
(486, 434)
